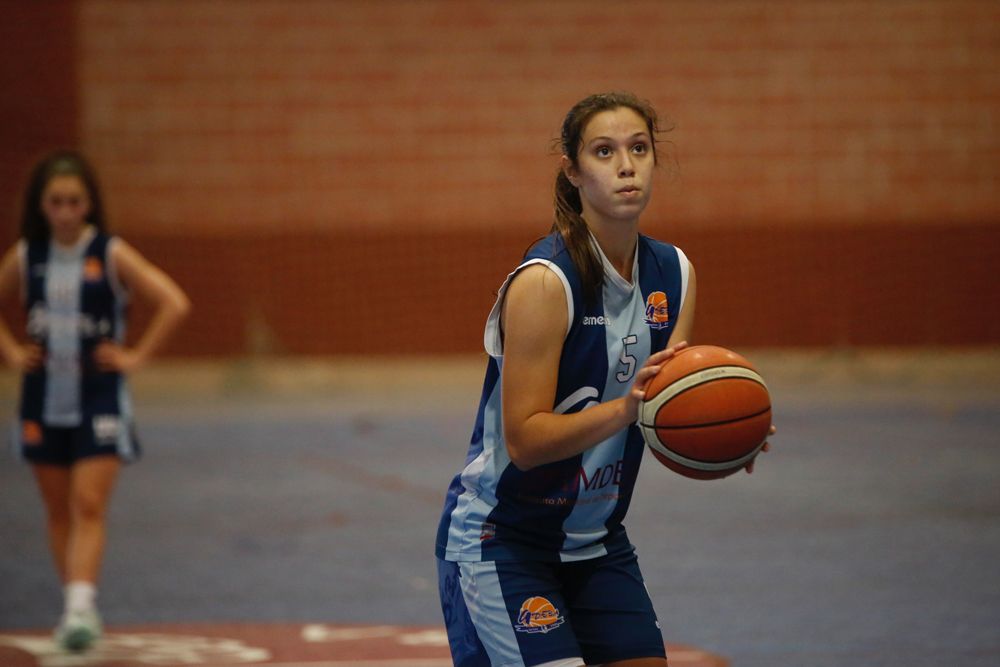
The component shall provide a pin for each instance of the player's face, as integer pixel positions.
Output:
(65, 204)
(614, 166)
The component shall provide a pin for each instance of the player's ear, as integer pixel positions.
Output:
(569, 170)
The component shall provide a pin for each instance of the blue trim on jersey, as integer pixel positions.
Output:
(570, 509)
(456, 488)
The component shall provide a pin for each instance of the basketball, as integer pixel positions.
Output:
(706, 414)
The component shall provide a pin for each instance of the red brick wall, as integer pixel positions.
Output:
(839, 158)
(439, 113)
(38, 85)
(315, 292)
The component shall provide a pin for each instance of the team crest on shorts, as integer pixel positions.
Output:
(538, 615)
(657, 311)
(106, 429)
(31, 432)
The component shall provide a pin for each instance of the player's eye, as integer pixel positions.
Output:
(603, 151)
(640, 148)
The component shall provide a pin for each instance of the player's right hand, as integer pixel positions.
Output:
(25, 358)
(648, 371)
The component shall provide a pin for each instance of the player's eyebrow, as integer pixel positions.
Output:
(644, 135)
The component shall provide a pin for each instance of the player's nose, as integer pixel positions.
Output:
(626, 168)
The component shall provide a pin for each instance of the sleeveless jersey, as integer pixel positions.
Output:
(73, 301)
(571, 509)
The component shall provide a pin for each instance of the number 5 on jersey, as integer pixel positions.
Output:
(627, 359)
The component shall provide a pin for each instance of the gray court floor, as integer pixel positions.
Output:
(870, 535)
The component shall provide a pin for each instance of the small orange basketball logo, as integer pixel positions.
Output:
(657, 311)
(93, 269)
(31, 433)
(538, 615)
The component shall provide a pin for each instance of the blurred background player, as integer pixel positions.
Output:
(75, 424)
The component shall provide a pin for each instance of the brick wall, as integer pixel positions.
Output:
(38, 89)
(439, 113)
(843, 156)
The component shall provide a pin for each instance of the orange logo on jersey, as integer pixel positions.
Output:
(657, 312)
(31, 433)
(93, 270)
(538, 615)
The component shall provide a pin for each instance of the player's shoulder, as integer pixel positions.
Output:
(551, 247)
(656, 245)
(662, 251)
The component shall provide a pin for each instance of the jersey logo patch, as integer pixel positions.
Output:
(538, 615)
(657, 312)
(93, 270)
(488, 532)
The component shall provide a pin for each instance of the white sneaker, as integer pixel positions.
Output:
(79, 630)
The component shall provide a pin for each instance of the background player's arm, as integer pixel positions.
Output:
(150, 284)
(20, 357)
(534, 322)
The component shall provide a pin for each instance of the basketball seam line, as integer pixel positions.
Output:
(714, 379)
(718, 423)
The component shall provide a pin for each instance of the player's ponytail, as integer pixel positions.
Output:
(569, 220)
(576, 236)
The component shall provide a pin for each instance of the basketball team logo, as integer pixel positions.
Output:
(538, 615)
(488, 532)
(31, 432)
(93, 270)
(657, 311)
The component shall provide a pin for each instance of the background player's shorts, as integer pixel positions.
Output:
(65, 446)
(520, 614)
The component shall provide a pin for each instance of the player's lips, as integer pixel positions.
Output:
(628, 190)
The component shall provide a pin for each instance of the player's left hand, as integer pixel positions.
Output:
(765, 448)
(111, 357)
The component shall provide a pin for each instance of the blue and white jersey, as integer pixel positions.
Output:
(73, 301)
(571, 509)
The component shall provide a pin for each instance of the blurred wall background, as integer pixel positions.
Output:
(358, 177)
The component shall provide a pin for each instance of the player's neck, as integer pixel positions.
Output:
(617, 241)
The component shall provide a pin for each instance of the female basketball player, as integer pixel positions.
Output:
(535, 567)
(75, 422)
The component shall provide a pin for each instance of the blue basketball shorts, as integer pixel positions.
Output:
(65, 446)
(531, 613)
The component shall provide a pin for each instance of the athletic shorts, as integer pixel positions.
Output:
(530, 613)
(65, 446)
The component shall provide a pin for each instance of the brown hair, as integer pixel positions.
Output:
(568, 208)
(34, 226)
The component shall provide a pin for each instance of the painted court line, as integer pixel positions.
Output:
(408, 662)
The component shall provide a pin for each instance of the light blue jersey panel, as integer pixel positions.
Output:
(571, 509)
(628, 345)
(62, 359)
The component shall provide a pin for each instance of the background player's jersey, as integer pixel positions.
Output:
(73, 301)
(570, 509)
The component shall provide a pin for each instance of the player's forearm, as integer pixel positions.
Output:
(546, 437)
(167, 319)
(8, 344)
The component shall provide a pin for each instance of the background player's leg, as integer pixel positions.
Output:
(54, 486)
(92, 481)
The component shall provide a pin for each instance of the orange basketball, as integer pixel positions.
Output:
(706, 413)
